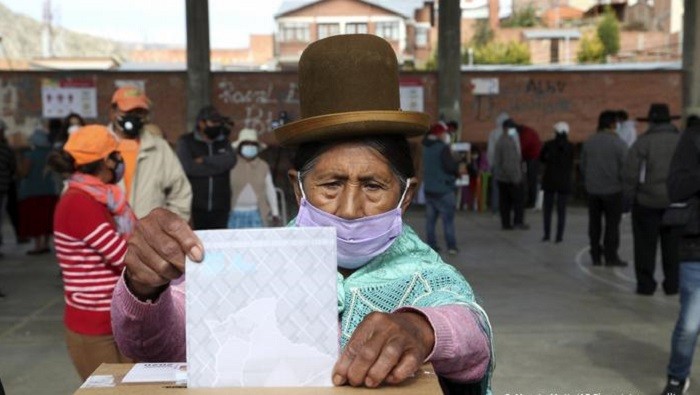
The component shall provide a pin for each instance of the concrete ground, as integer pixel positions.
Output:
(561, 326)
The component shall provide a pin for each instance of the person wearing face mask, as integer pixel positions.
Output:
(440, 171)
(207, 157)
(557, 156)
(253, 196)
(37, 194)
(154, 175)
(602, 160)
(93, 221)
(509, 175)
(399, 304)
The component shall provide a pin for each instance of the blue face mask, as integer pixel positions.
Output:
(249, 151)
(359, 240)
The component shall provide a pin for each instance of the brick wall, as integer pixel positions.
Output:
(254, 100)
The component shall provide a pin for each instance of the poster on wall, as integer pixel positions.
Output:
(411, 95)
(60, 97)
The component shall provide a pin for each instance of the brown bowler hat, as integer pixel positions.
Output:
(349, 86)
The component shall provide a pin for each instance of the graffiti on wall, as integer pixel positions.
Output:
(540, 95)
(259, 108)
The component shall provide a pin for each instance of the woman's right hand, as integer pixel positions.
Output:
(157, 250)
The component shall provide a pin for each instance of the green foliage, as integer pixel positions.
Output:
(609, 32)
(482, 34)
(431, 64)
(591, 50)
(523, 17)
(512, 52)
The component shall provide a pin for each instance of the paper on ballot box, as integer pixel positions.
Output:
(262, 308)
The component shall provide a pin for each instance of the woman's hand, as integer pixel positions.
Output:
(157, 250)
(385, 348)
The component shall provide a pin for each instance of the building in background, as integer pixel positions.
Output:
(406, 24)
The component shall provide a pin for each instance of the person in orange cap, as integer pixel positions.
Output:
(153, 176)
(92, 223)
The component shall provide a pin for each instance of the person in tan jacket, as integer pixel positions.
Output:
(253, 197)
(154, 176)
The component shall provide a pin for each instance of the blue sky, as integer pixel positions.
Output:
(156, 21)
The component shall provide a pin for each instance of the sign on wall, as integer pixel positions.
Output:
(411, 95)
(485, 86)
(60, 97)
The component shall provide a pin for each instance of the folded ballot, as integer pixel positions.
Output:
(262, 309)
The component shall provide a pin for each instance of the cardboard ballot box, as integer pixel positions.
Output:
(111, 375)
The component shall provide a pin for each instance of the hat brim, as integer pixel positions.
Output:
(671, 118)
(352, 124)
(260, 144)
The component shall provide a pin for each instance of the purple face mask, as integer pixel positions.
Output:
(359, 240)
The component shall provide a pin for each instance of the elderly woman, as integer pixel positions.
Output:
(399, 304)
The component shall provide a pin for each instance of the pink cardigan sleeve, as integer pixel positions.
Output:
(462, 351)
(150, 331)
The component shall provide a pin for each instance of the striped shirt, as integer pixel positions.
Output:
(91, 255)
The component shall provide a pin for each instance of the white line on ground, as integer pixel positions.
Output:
(587, 270)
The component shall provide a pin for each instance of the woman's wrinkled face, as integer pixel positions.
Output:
(351, 181)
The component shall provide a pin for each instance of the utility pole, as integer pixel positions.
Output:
(449, 60)
(691, 58)
(198, 63)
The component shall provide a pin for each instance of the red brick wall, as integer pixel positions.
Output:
(254, 100)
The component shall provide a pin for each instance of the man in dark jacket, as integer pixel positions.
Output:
(557, 155)
(645, 173)
(440, 171)
(602, 158)
(207, 158)
(684, 183)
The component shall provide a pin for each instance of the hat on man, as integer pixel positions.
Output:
(210, 113)
(438, 128)
(659, 113)
(128, 98)
(90, 143)
(349, 86)
(561, 127)
(248, 136)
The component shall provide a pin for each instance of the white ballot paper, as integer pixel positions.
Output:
(262, 309)
(162, 372)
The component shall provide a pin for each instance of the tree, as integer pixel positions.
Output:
(482, 34)
(591, 50)
(523, 17)
(609, 32)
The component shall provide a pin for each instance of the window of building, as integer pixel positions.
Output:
(294, 32)
(388, 30)
(422, 36)
(328, 29)
(356, 28)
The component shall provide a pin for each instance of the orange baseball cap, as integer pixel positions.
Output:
(128, 98)
(91, 143)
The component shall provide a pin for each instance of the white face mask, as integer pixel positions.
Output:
(512, 132)
(446, 138)
(249, 151)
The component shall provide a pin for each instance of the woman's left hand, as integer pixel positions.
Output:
(385, 348)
